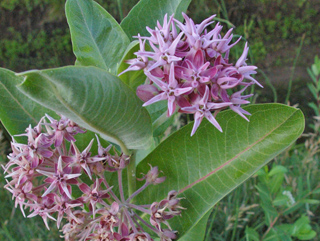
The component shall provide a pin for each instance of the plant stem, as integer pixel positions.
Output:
(274, 91)
(137, 192)
(131, 174)
(120, 9)
(293, 68)
(237, 196)
(120, 186)
(270, 227)
(209, 229)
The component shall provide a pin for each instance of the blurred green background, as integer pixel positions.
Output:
(282, 201)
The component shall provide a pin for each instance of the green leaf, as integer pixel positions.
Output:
(299, 225)
(310, 201)
(207, 166)
(314, 107)
(198, 231)
(307, 236)
(286, 228)
(147, 12)
(277, 169)
(313, 90)
(280, 200)
(158, 114)
(316, 191)
(276, 182)
(273, 235)
(252, 235)
(97, 38)
(302, 229)
(17, 111)
(94, 99)
(277, 233)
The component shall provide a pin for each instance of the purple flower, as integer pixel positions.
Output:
(94, 195)
(82, 159)
(182, 66)
(60, 178)
(203, 109)
(152, 176)
(170, 91)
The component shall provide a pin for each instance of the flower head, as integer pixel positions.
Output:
(191, 69)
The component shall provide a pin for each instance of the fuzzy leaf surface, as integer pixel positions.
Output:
(97, 38)
(206, 167)
(17, 111)
(147, 12)
(95, 99)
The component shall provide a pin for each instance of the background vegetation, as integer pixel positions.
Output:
(282, 201)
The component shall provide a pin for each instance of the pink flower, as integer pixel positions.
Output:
(170, 91)
(61, 178)
(203, 109)
(82, 159)
(94, 195)
(182, 66)
(152, 176)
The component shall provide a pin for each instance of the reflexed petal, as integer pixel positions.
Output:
(50, 188)
(87, 169)
(241, 61)
(66, 191)
(240, 111)
(181, 91)
(171, 105)
(70, 176)
(85, 188)
(197, 121)
(213, 121)
(155, 99)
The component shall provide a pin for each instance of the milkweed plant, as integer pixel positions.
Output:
(90, 150)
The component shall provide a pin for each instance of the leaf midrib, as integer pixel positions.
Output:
(234, 158)
(90, 34)
(61, 99)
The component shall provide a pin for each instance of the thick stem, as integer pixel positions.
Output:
(131, 174)
(158, 122)
(120, 9)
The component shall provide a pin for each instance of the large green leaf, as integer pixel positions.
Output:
(97, 38)
(198, 231)
(207, 166)
(147, 12)
(94, 99)
(17, 111)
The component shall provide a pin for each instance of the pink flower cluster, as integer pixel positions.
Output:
(46, 179)
(191, 70)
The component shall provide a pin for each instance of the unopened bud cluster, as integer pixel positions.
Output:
(189, 67)
(46, 180)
